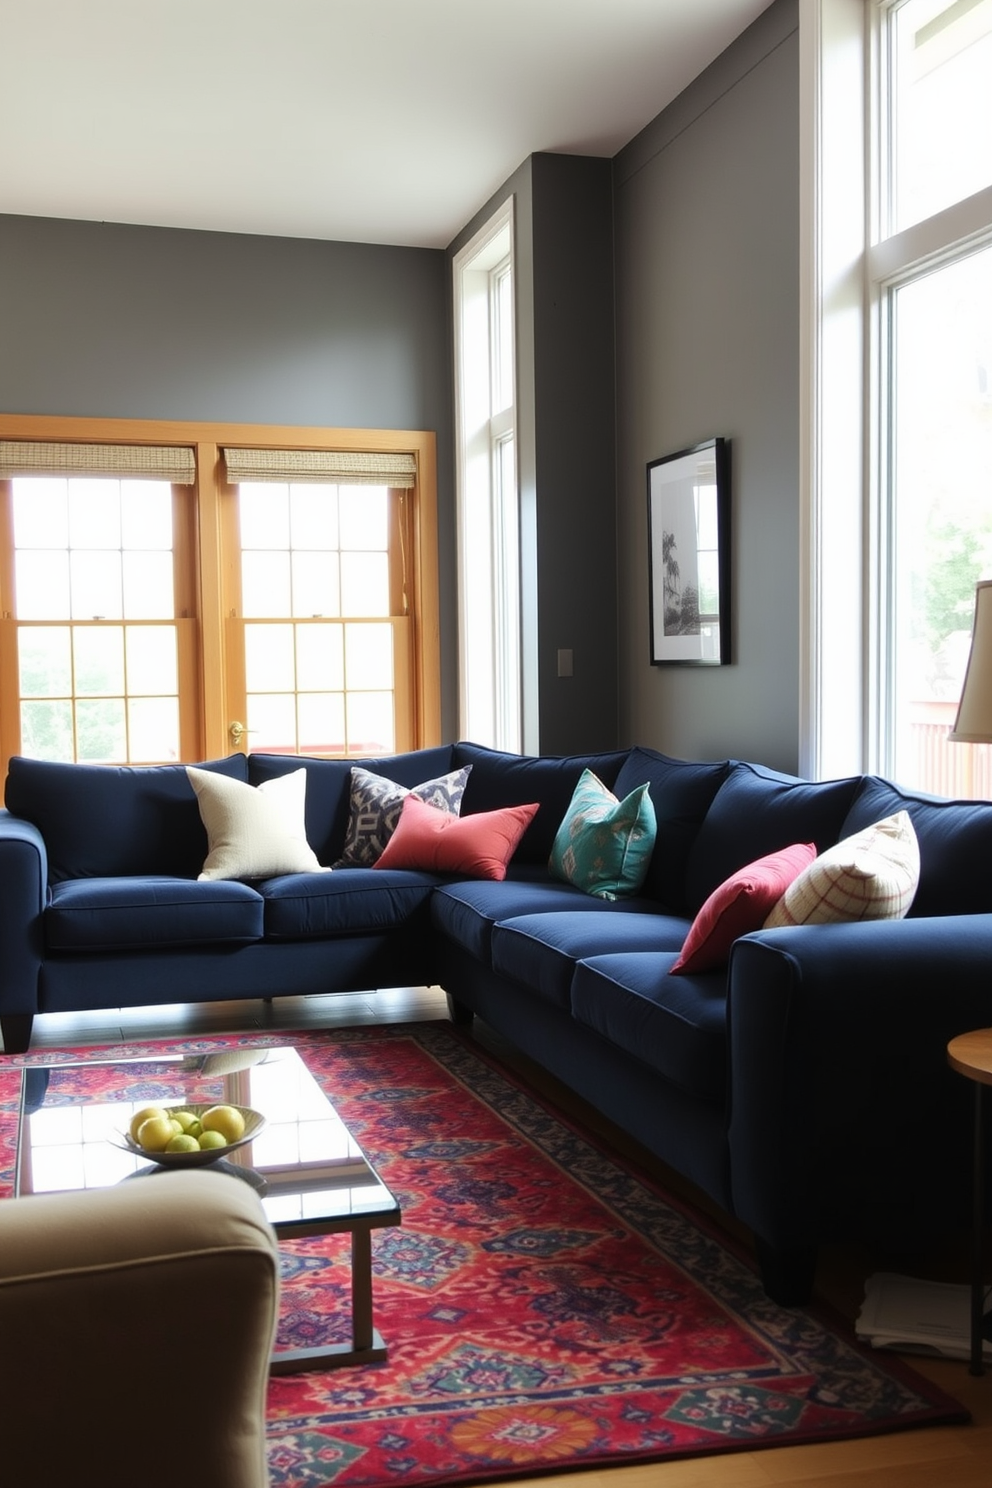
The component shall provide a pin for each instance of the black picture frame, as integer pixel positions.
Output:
(689, 556)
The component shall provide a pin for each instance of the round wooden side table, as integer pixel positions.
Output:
(971, 1055)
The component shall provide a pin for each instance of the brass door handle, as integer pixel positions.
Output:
(237, 732)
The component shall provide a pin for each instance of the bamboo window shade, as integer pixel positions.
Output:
(172, 463)
(397, 469)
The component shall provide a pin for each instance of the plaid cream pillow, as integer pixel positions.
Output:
(870, 876)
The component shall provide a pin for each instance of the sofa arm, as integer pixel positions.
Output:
(845, 1118)
(23, 897)
(136, 1325)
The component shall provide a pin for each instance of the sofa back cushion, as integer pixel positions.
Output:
(105, 821)
(681, 792)
(329, 787)
(758, 811)
(955, 840)
(500, 779)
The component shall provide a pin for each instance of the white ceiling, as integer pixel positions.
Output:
(384, 121)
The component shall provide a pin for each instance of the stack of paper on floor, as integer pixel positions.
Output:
(924, 1317)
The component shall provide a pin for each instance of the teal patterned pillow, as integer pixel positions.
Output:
(604, 845)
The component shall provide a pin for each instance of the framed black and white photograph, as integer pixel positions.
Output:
(689, 555)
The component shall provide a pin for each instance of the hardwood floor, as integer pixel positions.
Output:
(939, 1457)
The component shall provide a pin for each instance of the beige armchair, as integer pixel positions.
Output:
(136, 1324)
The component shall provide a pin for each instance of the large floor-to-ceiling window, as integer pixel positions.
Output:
(900, 426)
(487, 488)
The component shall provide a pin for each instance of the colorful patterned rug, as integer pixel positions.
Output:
(546, 1306)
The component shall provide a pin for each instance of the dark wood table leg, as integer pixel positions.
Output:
(977, 1365)
(361, 1290)
(366, 1346)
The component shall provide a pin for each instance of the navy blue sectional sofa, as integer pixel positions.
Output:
(804, 1086)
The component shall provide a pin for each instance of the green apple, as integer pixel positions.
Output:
(210, 1139)
(183, 1142)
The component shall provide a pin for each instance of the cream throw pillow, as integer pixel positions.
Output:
(870, 876)
(254, 831)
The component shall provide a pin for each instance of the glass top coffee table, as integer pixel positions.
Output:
(309, 1172)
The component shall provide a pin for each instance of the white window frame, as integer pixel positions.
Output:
(849, 267)
(487, 503)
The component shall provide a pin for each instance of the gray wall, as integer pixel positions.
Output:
(707, 255)
(700, 213)
(104, 320)
(563, 265)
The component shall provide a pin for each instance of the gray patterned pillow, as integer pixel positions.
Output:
(376, 804)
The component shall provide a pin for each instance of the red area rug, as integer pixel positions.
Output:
(546, 1306)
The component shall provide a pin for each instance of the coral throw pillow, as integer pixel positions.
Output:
(374, 809)
(739, 905)
(480, 845)
(870, 876)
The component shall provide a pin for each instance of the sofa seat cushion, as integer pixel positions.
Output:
(101, 914)
(540, 950)
(675, 1024)
(466, 911)
(347, 901)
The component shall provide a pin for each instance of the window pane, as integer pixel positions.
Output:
(146, 514)
(320, 658)
(42, 585)
(315, 584)
(942, 514)
(265, 584)
(46, 730)
(272, 723)
(99, 660)
(151, 659)
(96, 586)
(94, 513)
(269, 658)
(41, 513)
(942, 105)
(153, 728)
(364, 517)
(321, 723)
(314, 516)
(502, 300)
(101, 734)
(368, 656)
(264, 515)
(148, 586)
(370, 723)
(45, 662)
(364, 584)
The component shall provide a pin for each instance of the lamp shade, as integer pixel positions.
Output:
(973, 724)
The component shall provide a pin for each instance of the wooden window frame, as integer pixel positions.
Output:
(213, 555)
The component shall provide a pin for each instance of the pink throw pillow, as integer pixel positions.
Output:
(479, 845)
(740, 904)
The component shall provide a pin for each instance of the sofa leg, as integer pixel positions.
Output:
(786, 1275)
(16, 1030)
(459, 1012)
